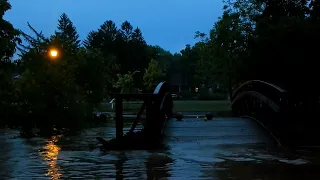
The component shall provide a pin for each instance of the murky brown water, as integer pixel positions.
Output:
(224, 148)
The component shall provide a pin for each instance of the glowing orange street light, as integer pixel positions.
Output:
(53, 53)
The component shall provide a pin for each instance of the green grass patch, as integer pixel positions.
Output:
(201, 106)
(220, 107)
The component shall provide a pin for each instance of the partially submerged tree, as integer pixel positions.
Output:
(70, 85)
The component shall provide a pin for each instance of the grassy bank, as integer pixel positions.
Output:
(221, 108)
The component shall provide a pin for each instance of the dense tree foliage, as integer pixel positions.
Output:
(8, 39)
(275, 41)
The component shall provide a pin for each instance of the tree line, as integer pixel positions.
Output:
(275, 41)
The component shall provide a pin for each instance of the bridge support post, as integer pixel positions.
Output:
(119, 117)
(148, 113)
(152, 115)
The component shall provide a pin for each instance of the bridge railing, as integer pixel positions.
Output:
(130, 106)
(271, 91)
(291, 116)
(157, 106)
(293, 101)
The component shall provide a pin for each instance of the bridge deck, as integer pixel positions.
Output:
(217, 133)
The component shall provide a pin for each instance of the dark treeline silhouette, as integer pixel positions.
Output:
(275, 41)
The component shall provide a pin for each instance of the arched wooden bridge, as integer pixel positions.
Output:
(289, 117)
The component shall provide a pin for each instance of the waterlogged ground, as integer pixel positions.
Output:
(224, 148)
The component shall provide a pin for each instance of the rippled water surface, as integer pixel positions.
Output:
(224, 148)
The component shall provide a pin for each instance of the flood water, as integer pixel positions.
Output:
(223, 148)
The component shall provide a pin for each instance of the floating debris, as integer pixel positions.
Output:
(209, 116)
(179, 116)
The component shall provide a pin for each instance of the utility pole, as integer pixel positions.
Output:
(229, 74)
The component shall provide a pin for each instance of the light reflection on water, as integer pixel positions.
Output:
(188, 157)
(50, 155)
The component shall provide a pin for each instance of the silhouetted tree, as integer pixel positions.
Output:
(67, 34)
(8, 39)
